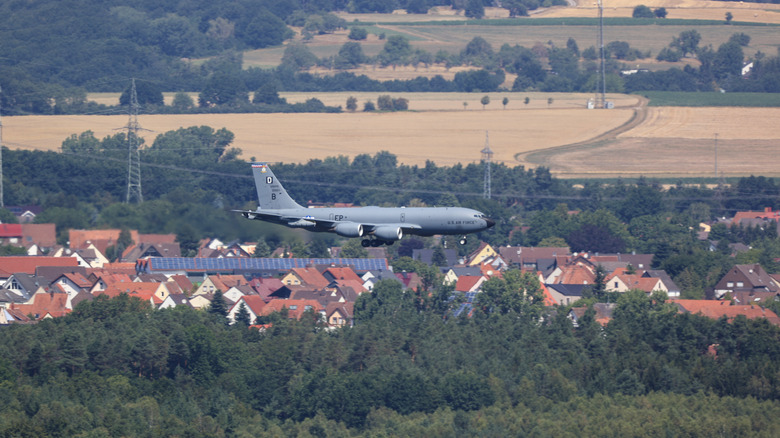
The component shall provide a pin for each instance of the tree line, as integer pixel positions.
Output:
(116, 367)
(98, 47)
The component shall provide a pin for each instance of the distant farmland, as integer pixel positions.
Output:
(668, 141)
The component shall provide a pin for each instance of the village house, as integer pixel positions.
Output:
(481, 254)
(716, 309)
(527, 258)
(371, 278)
(295, 308)
(603, 313)
(747, 281)
(254, 305)
(565, 294)
(309, 277)
(340, 314)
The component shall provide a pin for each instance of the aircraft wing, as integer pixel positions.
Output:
(292, 221)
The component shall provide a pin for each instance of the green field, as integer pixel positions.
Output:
(454, 36)
(675, 98)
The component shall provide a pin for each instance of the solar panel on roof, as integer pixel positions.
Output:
(231, 264)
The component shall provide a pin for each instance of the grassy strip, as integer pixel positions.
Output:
(676, 98)
(569, 21)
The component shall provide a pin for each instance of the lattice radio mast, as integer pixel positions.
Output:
(487, 158)
(134, 192)
(601, 98)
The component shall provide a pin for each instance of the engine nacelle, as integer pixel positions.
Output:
(389, 233)
(348, 229)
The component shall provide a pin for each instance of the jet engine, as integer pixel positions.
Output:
(389, 233)
(348, 229)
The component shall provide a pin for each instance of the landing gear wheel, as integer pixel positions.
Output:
(376, 243)
(463, 240)
(365, 243)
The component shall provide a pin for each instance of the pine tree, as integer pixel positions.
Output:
(218, 305)
(242, 315)
(439, 258)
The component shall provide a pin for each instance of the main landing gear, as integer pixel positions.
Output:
(375, 243)
(463, 240)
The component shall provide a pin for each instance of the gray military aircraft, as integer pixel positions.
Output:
(379, 225)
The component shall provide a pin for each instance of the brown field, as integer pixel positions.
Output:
(445, 136)
(683, 9)
(676, 142)
(569, 139)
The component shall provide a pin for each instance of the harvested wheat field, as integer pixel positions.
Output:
(680, 9)
(445, 137)
(677, 141)
(562, 135)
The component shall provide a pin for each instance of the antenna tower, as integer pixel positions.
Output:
(134, 192)
(487, 158)
(601, 99)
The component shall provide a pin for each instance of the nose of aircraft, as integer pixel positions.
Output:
(490, 222)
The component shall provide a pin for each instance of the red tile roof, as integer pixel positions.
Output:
(296, 308)
(466, 283)
(28, 264)
(143, 291)
(576, 274)
(44, 235)
(43, 303)
(80, 238)
(343, 274)
(10, 230)
(715, 309)
(310, 277)
(766, 214)
(255, 303)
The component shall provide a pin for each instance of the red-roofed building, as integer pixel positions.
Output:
(626, 282)
(576, 273)
(715, 309)
(745, 217)
(339, 314)
(101, 239)
(549, 300)
(27, 264)
(44, 303)
(11, 234)
(410, 280)
(295, 308)
(307, 277)
(102, 280)
(469, 283)
(43, 235)
(254, 305)
(341, 273)
(154, 293)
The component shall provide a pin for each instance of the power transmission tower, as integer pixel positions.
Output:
(134, 192)
(487, 158)
(601, 98)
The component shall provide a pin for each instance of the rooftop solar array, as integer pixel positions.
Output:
(467, 305)
(254, 264)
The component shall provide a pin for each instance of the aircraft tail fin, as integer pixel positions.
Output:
(270, 193)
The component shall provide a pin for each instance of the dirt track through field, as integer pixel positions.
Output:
(561, 134)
